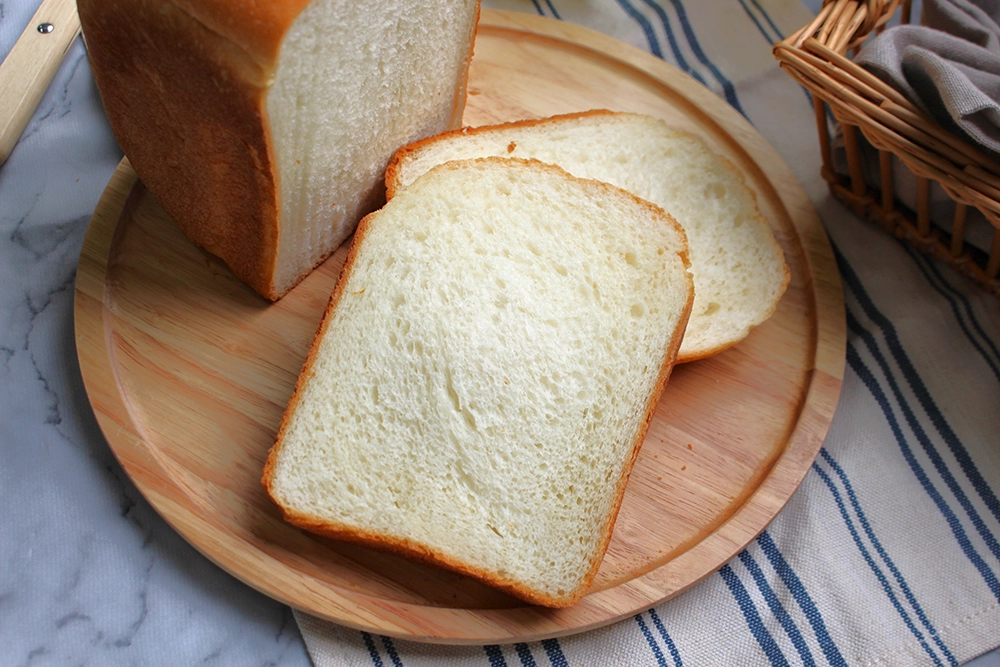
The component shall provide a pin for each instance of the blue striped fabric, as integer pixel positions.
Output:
(794, 585)
(918, 430)
(653, 645)
(870, 533)
(675, 48)
(770, 33)
(552, 8)
(390, 650)
(874, 567)
(524, 654)
(962, 309)
(961, 536)
(728, 90)
(752, 616)
(495, 655)
(776, 33)
(888, 554)
(675, 655)
(372, 649)
(927, 403)
(555, 653)
(776, 608)
(547, 6)
(647, 30)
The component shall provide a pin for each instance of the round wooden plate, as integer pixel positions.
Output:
(189, 372)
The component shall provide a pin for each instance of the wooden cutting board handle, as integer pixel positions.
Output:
(29, 67)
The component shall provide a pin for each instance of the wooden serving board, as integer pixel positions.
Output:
(189, 372)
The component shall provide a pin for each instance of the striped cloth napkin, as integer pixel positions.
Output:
(889, 553)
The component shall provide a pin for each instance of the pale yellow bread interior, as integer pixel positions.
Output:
(354, 81)
(485, 373)
(738, 267)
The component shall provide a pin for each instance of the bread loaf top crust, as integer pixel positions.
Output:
(256, 26)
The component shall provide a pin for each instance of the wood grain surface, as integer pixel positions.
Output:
(28, 69)
(189, 372)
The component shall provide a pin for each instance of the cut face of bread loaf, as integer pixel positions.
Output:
(264, 128)
(485, 373)
(739, 270)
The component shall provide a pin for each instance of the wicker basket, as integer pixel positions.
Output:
(816, 57)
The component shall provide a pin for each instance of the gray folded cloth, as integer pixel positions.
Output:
(949, 66)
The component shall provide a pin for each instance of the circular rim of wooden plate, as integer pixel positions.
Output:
(483, 626)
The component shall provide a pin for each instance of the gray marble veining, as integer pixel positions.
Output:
(89, 573)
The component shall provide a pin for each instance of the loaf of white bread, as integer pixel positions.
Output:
(484, 375)
(738, 267)
(264, 128)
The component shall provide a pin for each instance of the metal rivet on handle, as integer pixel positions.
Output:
(45, 28)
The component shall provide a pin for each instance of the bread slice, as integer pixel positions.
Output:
(485, 373)
(264, 128)
(739, 270)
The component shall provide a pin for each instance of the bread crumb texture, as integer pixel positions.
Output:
(486, 372)
(352, 84)
(739, 270)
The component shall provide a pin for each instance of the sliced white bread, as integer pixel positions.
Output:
(739, 269)
(264, 128)
(484, 375)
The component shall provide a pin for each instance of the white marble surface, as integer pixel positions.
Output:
(89, 573)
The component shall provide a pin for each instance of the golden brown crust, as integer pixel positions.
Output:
(186, 105)
(331, 305)
(257, 27)
(392, 184)
(671, 360)
(184, 84)
(423, 552)
(786, 277)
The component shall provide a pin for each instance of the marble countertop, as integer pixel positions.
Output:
(89, 573)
